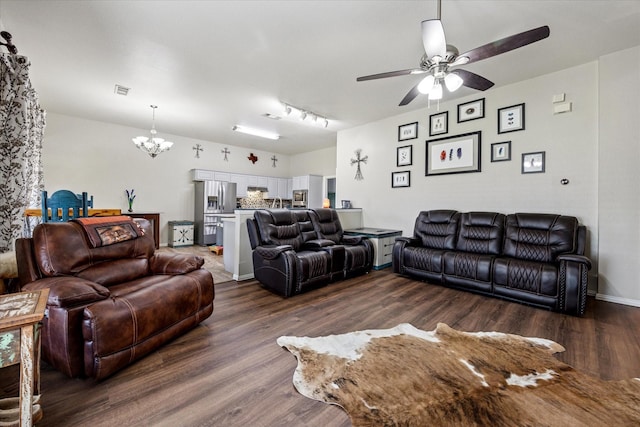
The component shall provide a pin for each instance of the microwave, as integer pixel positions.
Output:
(299, 199)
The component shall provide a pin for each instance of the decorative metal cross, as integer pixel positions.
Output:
(359, 160)
(274, 159)
(225, 152)
(198, 149)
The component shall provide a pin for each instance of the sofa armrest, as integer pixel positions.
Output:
(318, 244)
(408, 241)
(352, 240)
(399, 246)
(575, 258)
(572, 283)
(272, 252)
(69, 291)
(172, 264)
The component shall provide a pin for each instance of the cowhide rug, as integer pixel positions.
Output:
(405, 376)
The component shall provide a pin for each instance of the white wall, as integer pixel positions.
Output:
(619, 162)
(570, 141)
(319, 162)
(97, 157)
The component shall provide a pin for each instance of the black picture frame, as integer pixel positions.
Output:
(408, 131)
(454, 154)
(404, 155)
(511, 118)
(501, 151)
(533, 162)
(439, 123)
(400, 179)
(472, 110)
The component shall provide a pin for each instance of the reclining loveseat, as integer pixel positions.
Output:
(112, 298)
(298, 250)
(532, 258)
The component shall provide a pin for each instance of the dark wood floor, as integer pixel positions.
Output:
(229, 371)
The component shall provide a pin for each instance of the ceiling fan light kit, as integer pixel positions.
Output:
(440, 58)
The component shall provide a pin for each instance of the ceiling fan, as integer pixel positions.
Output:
(440, 58)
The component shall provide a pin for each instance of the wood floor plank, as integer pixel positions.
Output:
(229, 371)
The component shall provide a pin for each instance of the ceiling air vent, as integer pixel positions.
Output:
(121, 90)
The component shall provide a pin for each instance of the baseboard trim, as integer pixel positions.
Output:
(618, 300)
(240, 278)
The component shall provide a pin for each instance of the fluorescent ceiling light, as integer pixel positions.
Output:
(256, 132)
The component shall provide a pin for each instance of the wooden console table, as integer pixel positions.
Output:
(153, 218)
(20, 314)
(37, 212)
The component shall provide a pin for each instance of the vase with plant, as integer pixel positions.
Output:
(130, 197)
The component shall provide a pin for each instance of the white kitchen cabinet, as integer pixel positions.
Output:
(272, 186)
(222, 176)
(202, 175)
(263, 181)
(283, 188)
(252, 181)
(242, 182)
(301, 182)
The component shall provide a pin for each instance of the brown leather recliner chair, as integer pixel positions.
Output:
(112, 299)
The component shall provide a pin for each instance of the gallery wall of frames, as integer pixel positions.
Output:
(449, 152)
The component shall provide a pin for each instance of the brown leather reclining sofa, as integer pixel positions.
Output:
(112, 298)
(534, 258)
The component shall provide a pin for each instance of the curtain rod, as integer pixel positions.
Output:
(10, 46)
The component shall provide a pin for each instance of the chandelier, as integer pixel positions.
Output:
(152, 145)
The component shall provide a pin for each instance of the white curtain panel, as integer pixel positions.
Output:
(22, 124)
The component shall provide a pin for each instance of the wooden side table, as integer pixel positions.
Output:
(153, 218)
(20, 314)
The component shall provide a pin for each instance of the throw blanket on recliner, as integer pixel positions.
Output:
(104, 231)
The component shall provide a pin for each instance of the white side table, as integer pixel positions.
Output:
(383, 241)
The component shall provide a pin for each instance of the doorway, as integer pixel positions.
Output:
(330, 190)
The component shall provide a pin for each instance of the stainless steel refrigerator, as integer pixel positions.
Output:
(213, 199)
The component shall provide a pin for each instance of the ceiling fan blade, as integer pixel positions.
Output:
(433, 38)
(506, 44)
(473, 80)
(410, 96)
(390, 74)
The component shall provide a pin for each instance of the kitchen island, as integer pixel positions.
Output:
(237, 254)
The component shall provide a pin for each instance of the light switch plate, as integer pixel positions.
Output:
(565, 107)
(558, 98)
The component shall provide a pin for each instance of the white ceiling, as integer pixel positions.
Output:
(209, 65)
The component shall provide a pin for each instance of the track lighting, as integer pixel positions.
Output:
(302, 115)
